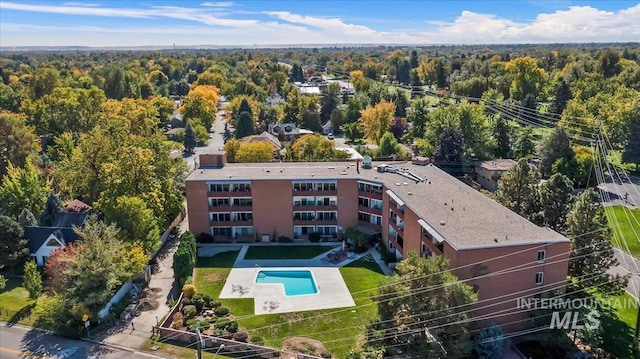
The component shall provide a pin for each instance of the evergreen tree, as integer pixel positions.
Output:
(488, 345)
(13, 246)
(189, 138)
(518, 190)
(450, 146)
(245, 107)
(413, 59)
(245, 125)
(554, 146)
(502, 137)
(561, 96)
(591, 249)
(524, 145)
(403, 72)
(631, 151)
(52, 208)
(388, 144)
(27, 219)
(337, 120)
(32, 280)
(441, 74)
(555, 201)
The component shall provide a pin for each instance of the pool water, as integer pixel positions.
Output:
(298, 282)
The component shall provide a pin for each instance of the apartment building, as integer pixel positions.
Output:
(412, 207)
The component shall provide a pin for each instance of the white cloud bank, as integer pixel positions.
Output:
(218, 23)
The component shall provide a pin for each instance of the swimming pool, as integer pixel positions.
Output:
(296, 282)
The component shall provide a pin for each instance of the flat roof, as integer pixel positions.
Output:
(465, 217)
(502, 164)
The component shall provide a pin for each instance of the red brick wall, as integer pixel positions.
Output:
(197, 207)
(272, 207)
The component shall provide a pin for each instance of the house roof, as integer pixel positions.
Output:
(77, 206)
(265, 137)
(70, 219)
(465, 217)
(501, 164)
(36, 236)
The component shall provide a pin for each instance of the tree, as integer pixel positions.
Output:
(418, 116)
(26, 218)
(554, 146)
(518, 190)
(17, 140)
(353, 131)
(22, 188)
(330, 101)
(52, 208)
(313, 147)
(488, 345)
(201, 103)
(404, 306)
(184, 257)
(398, 127)
(337, 120)
(190, 141)
(32, 279)
(359, 82)
(609, 63)
(231, 147)
(528, 78)
(377, 119)
(136, 222)
(555, 201)
(413, 59)
(388, 145)
(449, 147)
(502, 138)
(631, 151)
(561, 95)
(55, 268)
(591, 250)
(255, 152)
(13, 246)
(524, 145)
(3, 282)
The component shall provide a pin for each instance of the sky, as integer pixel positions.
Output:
(121, 23)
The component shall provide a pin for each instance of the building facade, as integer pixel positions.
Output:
(412, 208)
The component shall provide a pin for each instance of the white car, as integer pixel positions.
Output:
(330, 136)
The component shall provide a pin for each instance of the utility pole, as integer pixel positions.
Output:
(199, 342)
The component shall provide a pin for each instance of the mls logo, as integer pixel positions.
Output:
(571, 319)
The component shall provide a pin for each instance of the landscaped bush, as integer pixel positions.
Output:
(205, 238)
(177, 316)
(198, 301)
(204, 325)
(188, 280)
(283, 239)
(221, 312)
(315, 237)
(257, 340)
(241, 337)
(326, 354)
(189, 290)
(222, 323)
(191, 322)
(216, 304)
(184, 259)
(186, 301)
(189, 311)
(232, 327)
(207, 300)
(212, 320)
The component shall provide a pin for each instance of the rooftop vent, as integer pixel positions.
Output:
(230, 176)
(268, 171)
(409, 193)
(343, 173)
(331, 168)
(442, 223)
(397, 183)
(405, 184)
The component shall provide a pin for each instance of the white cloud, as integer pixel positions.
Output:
(212, 24)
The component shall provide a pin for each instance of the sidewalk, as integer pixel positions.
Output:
(161, 288)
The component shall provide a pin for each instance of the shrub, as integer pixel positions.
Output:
(198, 301)
(183, 263)
(177, 316)
(207, 300)
(212, 320)
(221, 312)
(186, 301)
(232, 327)
(177, 324)
(189, 311)
(189, 290)
(216, 304)
(205, 238)
(283, 239)
(191, 321)
(315, 237)
(326, 354)
(222, 323)
(257, 340)
(188, 280)
(241, 337)
(204, 325)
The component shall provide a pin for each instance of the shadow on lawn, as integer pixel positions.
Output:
(220, 260)
(23, 313)
(617, 336)
(366, 262)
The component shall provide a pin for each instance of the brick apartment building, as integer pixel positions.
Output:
(414, 208)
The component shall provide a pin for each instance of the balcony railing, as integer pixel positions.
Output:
(243, 223)
(370, 195)
(432, 247)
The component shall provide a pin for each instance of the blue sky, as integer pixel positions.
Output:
(185, 23)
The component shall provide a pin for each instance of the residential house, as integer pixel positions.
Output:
(489, 172)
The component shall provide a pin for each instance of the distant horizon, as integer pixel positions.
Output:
(270, 24)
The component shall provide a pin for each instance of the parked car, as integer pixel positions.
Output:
(330, 136)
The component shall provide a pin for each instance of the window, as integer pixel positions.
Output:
(304, 186)
(392, 215)
(219, 187)
(326, 186)
(303, 201)
(220, 231)
(364, 217)
(327, 201)
(542, 256)
(376, 219)
(218, 202)
(242, 216)
(369, 188)
(391, 247)
(326, 216)
(303, 216)
(245, 202)
(219, 217)
(53, 243)
(377, 204)
(327, 230)
(425, 250)
(364, 202)
(539, 278)
(241, 187)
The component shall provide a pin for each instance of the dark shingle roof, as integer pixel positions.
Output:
(36, 236)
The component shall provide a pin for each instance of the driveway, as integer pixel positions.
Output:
(215, 143)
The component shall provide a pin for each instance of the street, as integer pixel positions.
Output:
(618, 190)
(215, 143)
(18, 342)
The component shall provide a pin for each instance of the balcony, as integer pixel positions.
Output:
(432, 247)
(332, 192)
(225, 208)
(307, 193)
(241, 208)
(397, 211)
(397, 228)
(220, 223)
(304, 207)
(322, 207)
(240, 194)
(326, 222)
(304, 222)
(370, 210)
(242, 223)
(219, 194)
(370, 195)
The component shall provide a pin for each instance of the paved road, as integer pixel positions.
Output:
(19, 342)
(628, 264)
(215, 143)
(617, 191)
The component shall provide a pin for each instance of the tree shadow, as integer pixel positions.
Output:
(44, 345)
(24, 312)
(617, 336)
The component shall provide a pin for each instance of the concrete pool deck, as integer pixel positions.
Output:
(270, 298)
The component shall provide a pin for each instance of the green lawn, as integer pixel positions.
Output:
(177, 350)
(337, 328)
(285, 252)
(618, 216)
(15, 305)
(618, 326)
(615, 157)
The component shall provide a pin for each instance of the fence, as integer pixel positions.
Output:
(165, 236)
(115, 299)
